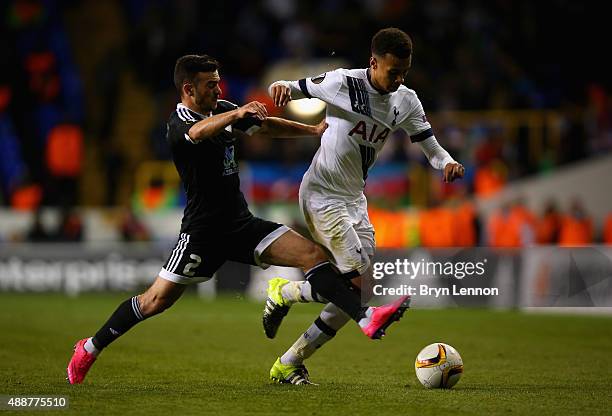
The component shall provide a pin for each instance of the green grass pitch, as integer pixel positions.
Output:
(211, 357)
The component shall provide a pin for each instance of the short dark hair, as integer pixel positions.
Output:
(392, 40)
(188, 66)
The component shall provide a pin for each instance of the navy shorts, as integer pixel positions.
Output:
(196, 257)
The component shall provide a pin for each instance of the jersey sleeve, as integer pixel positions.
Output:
(324, 87)
(416, 124)
(438, 157)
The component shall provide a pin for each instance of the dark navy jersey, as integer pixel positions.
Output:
(209, 171)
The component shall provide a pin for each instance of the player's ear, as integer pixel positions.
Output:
(373, 62)
(188, 89)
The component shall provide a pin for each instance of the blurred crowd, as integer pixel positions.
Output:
(41, 108)
(475, 55)
(458, 224)
(69, 226)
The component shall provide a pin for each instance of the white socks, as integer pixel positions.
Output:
(334, 317)
(91, 348)
(300, 291)
(365, 321)
(322, 330)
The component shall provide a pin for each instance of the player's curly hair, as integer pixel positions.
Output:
(392, 40)
(188, 66)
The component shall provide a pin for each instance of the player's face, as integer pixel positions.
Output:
(389, 71)
(206, 91)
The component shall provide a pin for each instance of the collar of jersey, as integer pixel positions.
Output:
(181, 105)
(383, 93)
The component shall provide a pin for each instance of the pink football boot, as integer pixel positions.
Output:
(383, 316)
(80, 363)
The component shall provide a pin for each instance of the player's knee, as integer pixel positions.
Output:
(312, 256)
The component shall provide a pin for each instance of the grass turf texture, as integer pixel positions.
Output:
(212, 358)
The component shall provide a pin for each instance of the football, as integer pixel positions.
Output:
(438, 366)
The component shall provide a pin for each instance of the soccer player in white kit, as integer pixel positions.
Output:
(364, 106)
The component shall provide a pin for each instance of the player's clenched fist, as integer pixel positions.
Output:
(321, 127)
(453, 171)
(253, 109)
(281, 94)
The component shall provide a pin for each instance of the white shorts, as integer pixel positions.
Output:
(344, 229)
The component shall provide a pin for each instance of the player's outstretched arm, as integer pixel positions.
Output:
(212, 126)
(440, 159)
(282, 128)
(324, 87)
(283, 91)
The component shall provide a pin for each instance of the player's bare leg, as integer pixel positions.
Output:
(160, 296)
(293, 250)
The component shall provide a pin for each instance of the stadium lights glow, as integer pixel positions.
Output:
(306, 107)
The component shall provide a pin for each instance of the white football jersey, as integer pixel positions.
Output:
(360, 121)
